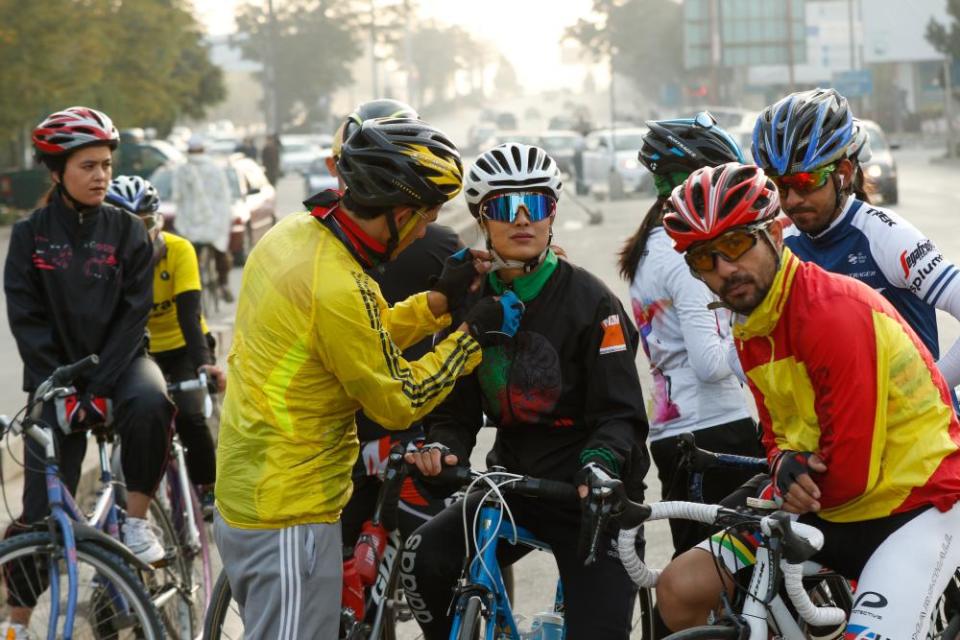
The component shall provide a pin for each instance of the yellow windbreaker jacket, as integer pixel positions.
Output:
(315, 341)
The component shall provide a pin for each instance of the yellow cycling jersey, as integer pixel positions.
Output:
(315, 341)
(177, 271)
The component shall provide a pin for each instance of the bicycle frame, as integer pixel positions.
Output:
(485, 578)
(64, 512)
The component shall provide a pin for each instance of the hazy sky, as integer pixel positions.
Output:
(527, 31)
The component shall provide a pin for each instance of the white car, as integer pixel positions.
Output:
(297, 152)
(617, 149)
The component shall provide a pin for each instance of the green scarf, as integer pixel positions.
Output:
(528, 286)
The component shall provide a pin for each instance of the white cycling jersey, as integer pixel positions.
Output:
(884, 251)
(687, 344)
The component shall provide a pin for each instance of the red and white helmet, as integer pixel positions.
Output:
(68, 130)
(713, 200)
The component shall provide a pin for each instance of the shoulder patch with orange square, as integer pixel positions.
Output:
(613, 340)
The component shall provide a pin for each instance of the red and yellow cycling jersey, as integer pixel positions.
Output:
(835, 370)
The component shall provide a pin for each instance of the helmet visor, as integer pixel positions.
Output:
(504, 207)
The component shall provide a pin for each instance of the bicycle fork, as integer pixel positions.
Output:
(193, 531)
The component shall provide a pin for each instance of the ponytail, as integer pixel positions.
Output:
(633, 249)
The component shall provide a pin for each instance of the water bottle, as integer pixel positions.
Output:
(368, 551)
(547, 625)
(352, 595)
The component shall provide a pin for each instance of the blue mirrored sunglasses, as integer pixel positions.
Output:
(504, 207)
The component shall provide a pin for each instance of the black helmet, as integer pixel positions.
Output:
(383, 108)
(389, 162)
(687, 144)
(804, 131)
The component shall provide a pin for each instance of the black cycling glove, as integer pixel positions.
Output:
(454, 281)
(492, 319)
(787, 467)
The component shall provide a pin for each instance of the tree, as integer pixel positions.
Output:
(645, 36)
(314, 46)
(505, 80)
(437, 53)
(946, 40)
(143, 62)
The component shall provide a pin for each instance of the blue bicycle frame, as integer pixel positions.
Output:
(63, 513)
(486, 580)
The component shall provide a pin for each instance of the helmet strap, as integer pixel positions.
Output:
(76, 204)
(527, 266)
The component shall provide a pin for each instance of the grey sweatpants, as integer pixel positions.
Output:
(288, 582)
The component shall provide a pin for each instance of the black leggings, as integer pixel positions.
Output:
(192, 428)
(142, 417)
(739, 437)
(599, 599)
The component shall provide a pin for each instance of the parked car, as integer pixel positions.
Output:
(881, 170)
(298, 152)
(317, 177)
(604, 149)
(521, 137)
(480, 136)
(562, 147)
(254, 202)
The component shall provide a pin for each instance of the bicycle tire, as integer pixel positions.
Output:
(705, 632)
(181, 618)
(643, 620)
(388, 630)
(470, 619)
(209, 281)
(109, 573)
(945, 619)
(221, 611)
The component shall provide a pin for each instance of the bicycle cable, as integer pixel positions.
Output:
(488, 479)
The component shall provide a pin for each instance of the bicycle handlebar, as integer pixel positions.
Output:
(799, 542)
(699, 460)
(200, 383)
(65, 375)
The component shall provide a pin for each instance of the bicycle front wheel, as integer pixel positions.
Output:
(223, 615)
(643, 614)
(470, 619)
(706, 632)
(111, 601)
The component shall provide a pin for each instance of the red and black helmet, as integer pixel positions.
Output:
(713, 200)
(66, 131)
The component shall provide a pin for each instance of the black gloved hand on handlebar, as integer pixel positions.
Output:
(787, 467)
(595, 509)
(454, 281)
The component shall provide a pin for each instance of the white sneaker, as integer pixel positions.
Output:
(143, 539)
(13, 631)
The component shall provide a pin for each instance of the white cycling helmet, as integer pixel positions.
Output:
(510, 166)
(859, 148)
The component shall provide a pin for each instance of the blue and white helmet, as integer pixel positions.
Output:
(133, 194)
(804, 131)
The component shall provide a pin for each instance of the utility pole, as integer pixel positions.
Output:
(948, 105)
(374, 89)
(408, 53)
(273, 103)
(790, 70)
(614, 182)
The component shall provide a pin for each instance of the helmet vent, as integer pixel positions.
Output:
(501, 160)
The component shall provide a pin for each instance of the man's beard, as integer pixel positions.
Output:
(742, 305)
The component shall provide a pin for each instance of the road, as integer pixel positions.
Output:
(927, 199)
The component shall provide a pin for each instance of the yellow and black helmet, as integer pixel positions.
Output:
(380, 108)
(390, 162)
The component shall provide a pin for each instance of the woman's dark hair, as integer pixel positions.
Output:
(634, 248)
